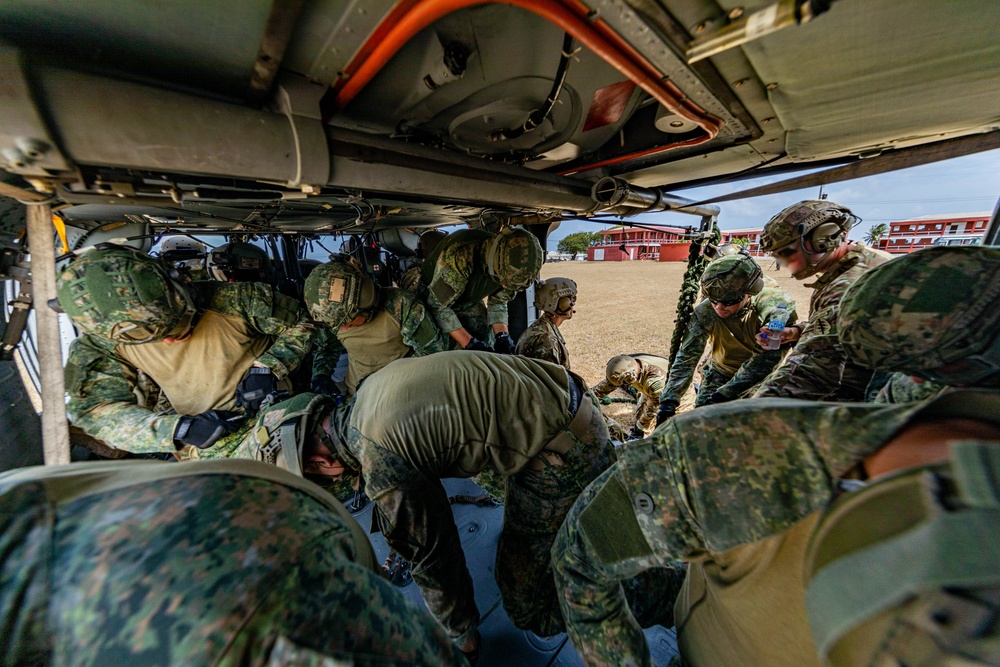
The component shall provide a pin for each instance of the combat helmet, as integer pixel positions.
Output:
(556, 296)
(239, 262)
(903, 571)
(934, 314)
(339, 291)
(727, 279)
(622, 370)
(513, 257)
(817, 225)
(124, 296)
(724, 250)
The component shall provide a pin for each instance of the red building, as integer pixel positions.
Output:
(752, 234)
(638, 243)
(951, 228)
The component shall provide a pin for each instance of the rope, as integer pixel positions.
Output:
(690, 287)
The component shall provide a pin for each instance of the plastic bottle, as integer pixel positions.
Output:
(776, 325)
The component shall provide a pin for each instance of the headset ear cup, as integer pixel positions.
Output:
(565, 304)
(825, 237)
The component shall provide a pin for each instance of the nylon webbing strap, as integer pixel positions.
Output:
(884, 575)
(288, 440)
(976, 467)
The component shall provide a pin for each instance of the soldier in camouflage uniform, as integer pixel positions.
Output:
(158, 366)
(205, 563)
(811, 238)
(738, 491)
(374, 325)
(647, 376)
(738, 305)
(470, 265)
(555, 298)
(419, 420)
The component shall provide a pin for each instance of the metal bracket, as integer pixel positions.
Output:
(299, 102)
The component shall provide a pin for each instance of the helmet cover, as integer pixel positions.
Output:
(622, 370)
(513, 258)
(926, 310)
(727, 279)
(818, 226)
(123, 295)
(339, 291)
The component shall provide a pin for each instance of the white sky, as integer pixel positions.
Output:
(962, 185)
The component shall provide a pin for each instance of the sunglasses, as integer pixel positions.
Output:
(787, 251)
(725, 303)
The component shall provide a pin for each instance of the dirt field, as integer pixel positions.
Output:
(627, 307)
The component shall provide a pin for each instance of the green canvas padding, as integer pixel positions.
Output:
(610, 525)
(976, 466)
(867, 582)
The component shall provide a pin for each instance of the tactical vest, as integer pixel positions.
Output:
(906, 571)
(480, 284)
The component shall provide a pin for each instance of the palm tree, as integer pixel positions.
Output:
(876, 233)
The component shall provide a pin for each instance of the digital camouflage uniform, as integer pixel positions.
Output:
(901, 388)
(735, 490)
(203, 563)
(114, 400)
(458, 279)
(737, 362)
(818, 368)
(451, 415)
(543, 340)
(401, 328)
(649, 384)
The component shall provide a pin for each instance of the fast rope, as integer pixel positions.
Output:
(690, 286)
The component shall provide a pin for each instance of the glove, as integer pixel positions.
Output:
(503, 343)
(324, 384)
(204, 430)
(666, 411)
(477, 345)
(635, 434)
(254, 387)
(715, 398)
(604, 400)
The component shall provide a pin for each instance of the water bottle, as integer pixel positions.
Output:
(776, 325)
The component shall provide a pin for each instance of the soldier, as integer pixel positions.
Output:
(738, 305)
(239, 262)
(419, 420)
(810, 238)
(470, 265)
(410, 280)
(185, 253)
(374, 325)
(209, 563)
(163, 365)
(647, 376)
(555, 298)
(738, 490)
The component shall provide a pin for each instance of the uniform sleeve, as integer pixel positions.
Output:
(683, 368)
(603, 388)
(653, 383)
(451, 275)
(534, 343)
(814, 369)
(496, 306)
(327, 349)
(419, 330)
(103, 402)
(275, 314)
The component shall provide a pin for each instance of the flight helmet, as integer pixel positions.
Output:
(622, 370)
(183, 251)
(339, 291)
(727, 279)
(239, 262)
(818, 226)
(556, 296)
(513, 257)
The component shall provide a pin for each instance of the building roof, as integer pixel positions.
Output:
(948, 216)
(743, 230)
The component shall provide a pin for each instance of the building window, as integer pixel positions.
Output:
(919, 227)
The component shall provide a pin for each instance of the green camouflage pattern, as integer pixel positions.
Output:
(783, 229)
(924, 310)
(672, 496)
(901, 388)
(649, 384)
(194, 564)
(458, 280)
(102, 387)
(730, 277)
(819, 368)
(514, 258)
(336, 291)
(110, 292)
(543, 340)
(417, 329)
(704, 325)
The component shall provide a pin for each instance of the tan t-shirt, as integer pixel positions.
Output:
(746, 606)
(733, 339)
(371, 346)
(202, 372)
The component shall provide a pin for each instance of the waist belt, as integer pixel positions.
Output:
(580, 408)
(576, 390)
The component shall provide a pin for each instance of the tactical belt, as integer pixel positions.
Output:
(580, 406)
